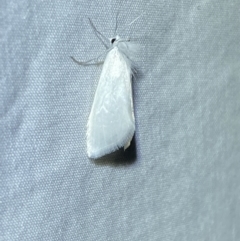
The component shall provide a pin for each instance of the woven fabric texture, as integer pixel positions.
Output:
(179, 180)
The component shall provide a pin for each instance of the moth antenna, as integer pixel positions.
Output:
(97, 33)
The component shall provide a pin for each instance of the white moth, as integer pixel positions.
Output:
(111, 123)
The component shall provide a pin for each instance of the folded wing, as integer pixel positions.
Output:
(111, 123)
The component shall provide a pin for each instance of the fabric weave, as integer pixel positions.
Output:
(180, 178)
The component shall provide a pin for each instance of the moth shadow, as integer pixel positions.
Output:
(119, 157)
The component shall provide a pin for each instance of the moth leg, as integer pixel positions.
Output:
(86, 63)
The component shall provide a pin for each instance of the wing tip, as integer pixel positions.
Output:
(98, 152)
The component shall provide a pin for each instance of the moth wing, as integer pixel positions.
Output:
(111, 123)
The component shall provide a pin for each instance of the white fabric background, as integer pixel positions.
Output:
(180, 178)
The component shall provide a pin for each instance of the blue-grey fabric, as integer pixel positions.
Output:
(180, 179)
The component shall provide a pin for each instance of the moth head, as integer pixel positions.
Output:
(114, 40)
